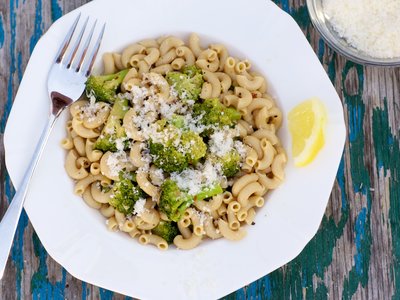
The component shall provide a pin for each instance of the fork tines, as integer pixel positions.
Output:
(75, 56)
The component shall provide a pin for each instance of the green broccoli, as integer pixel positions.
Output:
(187, 84)
(210, 191)
(167, 230)
(177, 120)
(213, 112)
(178, 151)
(168, 158)
(230, 162)
(125, 195)
(104, 87)
(191, 71)
(193, 146)
(113, 129)
(173, 201)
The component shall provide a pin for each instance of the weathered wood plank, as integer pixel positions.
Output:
(356, 252)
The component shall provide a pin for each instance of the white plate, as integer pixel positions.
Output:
(75, 235)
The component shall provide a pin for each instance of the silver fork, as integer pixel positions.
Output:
(65, 84)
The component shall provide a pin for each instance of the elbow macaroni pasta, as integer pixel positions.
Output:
(229, 79)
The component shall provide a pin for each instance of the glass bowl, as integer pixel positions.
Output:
(339, 44)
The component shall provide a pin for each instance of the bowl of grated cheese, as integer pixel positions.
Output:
(364, 31)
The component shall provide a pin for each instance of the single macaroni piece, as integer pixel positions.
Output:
(211, 231)
(81, 130)
(228, 233)
(98, 194)
(160, 158)
(146, 185)
(82, 184)
(155, 240)
(187, 54)
(215, 83)
(229, 68)
(108, 63)
(131, 130)
(187, 243)
(90, 201)
(194, 44)
(112, 224)
(118, 61)
(250, 84)
(149, 43)
(153, 54)
(162, 69)
(92, 154)
(169, 43)
(107, 210)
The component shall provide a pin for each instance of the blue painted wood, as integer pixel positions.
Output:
(356, 252)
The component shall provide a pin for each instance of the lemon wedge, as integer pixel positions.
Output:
(307, 127)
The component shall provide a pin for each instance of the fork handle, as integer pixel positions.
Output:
(10, 220)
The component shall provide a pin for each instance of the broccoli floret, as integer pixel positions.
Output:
(168, 158)
(125, 195)
(177, 120)
(113, 129)
(230, 162)
(178, 151)
(187, 84)
(104, 87)
(173, 201)
(194, 146)
(213, 112)
(209, 191)
(167, 230)
(192, 70)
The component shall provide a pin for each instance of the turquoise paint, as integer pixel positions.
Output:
(56, 11)
(41, 287)
(267, 287)
(84, 291)
(106, 294)
(360, 235)
(38, 29)
(2, 34)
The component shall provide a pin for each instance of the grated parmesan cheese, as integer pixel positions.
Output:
(195, 180)
(371, 26)
(139, 208)
(119, 143)
(92, 108)
(241, 149)
(117, 161)
(221, 141)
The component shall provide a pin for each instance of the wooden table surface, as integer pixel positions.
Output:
(356, 252)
